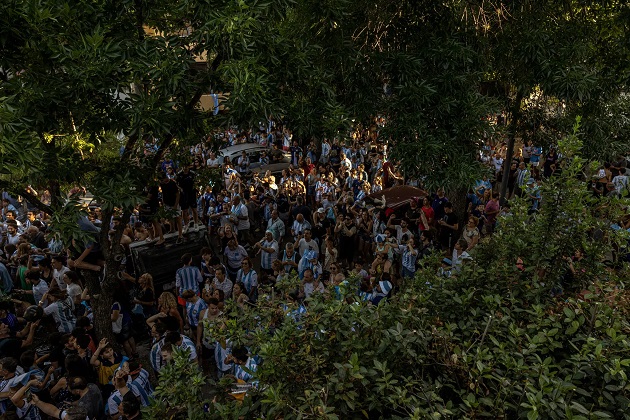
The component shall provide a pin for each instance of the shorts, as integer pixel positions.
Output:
(188, 200)
(125, 333)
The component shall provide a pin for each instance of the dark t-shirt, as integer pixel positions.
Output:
(92, 401)
(450, 219)
(186, 181)
(169, 192)
(10, 347)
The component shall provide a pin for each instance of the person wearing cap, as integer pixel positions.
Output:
(268, 247)
(381, 290)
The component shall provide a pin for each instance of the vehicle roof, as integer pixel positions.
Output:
(238, 148)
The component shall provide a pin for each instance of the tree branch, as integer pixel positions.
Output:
(29, 196)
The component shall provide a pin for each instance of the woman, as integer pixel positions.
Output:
(168, 306)
(239, 295)
(471, 232)
(145, 298)
(249, 278)
(549, 166)
(207, 318)
(330, 254)
(227, 234)
(427, 217)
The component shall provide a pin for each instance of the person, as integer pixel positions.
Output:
(73, 286)
(194, 306)
(309, 261)
(167, 306)
(188, 277)
(38, 286)
(105, 360)
(207, 318)
(459, 255)
(239, 217)
(129, 408)
(409, 257)
(188, 199)
(11, 344)
(122, 323)
(276, 226)
(170, 198)
(268, 247)
(249, 278)
(145, 298)
(448, 227)
(347, 231)
(310, 284)
(24, 408)
(471, 232)
(61, 308)
(59, 269)
(244, 365)
(305, 242)
(221, 282)
(89, 403)
(234, 256)
(290, 258)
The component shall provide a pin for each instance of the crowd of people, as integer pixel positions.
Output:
(325, 221)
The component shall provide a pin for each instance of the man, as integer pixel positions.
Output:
(213, 161)
(522, 175)
(448, 227)
(296, 153)
(188, 277)
(221, 282)
(90, 402)
(401, 230)
(194, 306)
(290, 258)
(276, 226)
(242, 163)
(299, 226)
(325, 151)
(12, 235)
(59, 269)
(6, 284)
(268, 252)
(239, 216)
(14, 346)
(35, 237)
(306, 242)
(621, 182)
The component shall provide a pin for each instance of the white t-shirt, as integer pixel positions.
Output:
(58, 276)
(39, 290)
(74, 290)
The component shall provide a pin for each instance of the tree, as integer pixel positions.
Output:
(80, 84)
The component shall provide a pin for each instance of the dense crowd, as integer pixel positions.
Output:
(325, 219)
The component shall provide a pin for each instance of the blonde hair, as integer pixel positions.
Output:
(149, 279)
(167, 301)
